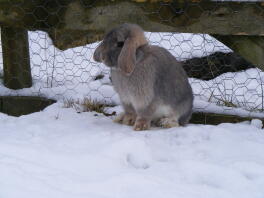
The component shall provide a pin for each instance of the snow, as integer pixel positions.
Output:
(257, 123)
(244, 89)
(61, 153)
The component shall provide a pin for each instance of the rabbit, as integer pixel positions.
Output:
(152, 85)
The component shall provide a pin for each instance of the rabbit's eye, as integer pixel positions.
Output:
(120, 44)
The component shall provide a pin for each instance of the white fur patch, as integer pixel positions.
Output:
(162, 111)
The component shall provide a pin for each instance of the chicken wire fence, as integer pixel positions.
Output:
(74, 75)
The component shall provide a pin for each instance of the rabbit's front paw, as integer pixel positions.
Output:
(141, 124)
(129, 119)
(126, 118)
(119, 118)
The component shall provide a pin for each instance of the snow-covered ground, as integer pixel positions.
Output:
(62, 153)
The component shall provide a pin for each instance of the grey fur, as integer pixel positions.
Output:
(154, 87)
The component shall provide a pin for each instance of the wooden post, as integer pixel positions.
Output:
(16, 60)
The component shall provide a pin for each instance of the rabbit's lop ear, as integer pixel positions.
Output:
(127, 56)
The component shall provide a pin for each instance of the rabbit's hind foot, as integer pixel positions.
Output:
(168, 122)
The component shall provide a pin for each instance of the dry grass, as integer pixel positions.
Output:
(230, 100)
(88, 105)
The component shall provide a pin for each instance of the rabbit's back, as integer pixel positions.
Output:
(171, 81)
(172, 86)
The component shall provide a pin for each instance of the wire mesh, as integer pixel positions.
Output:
(74, 75)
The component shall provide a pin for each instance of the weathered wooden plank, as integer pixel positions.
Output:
(214, 118)
(22, 105)
(75, 23)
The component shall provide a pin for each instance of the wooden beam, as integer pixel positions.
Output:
(75, 23)
(23, 105)
(214, 118)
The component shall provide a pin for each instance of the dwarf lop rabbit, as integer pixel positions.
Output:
(152, 85)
